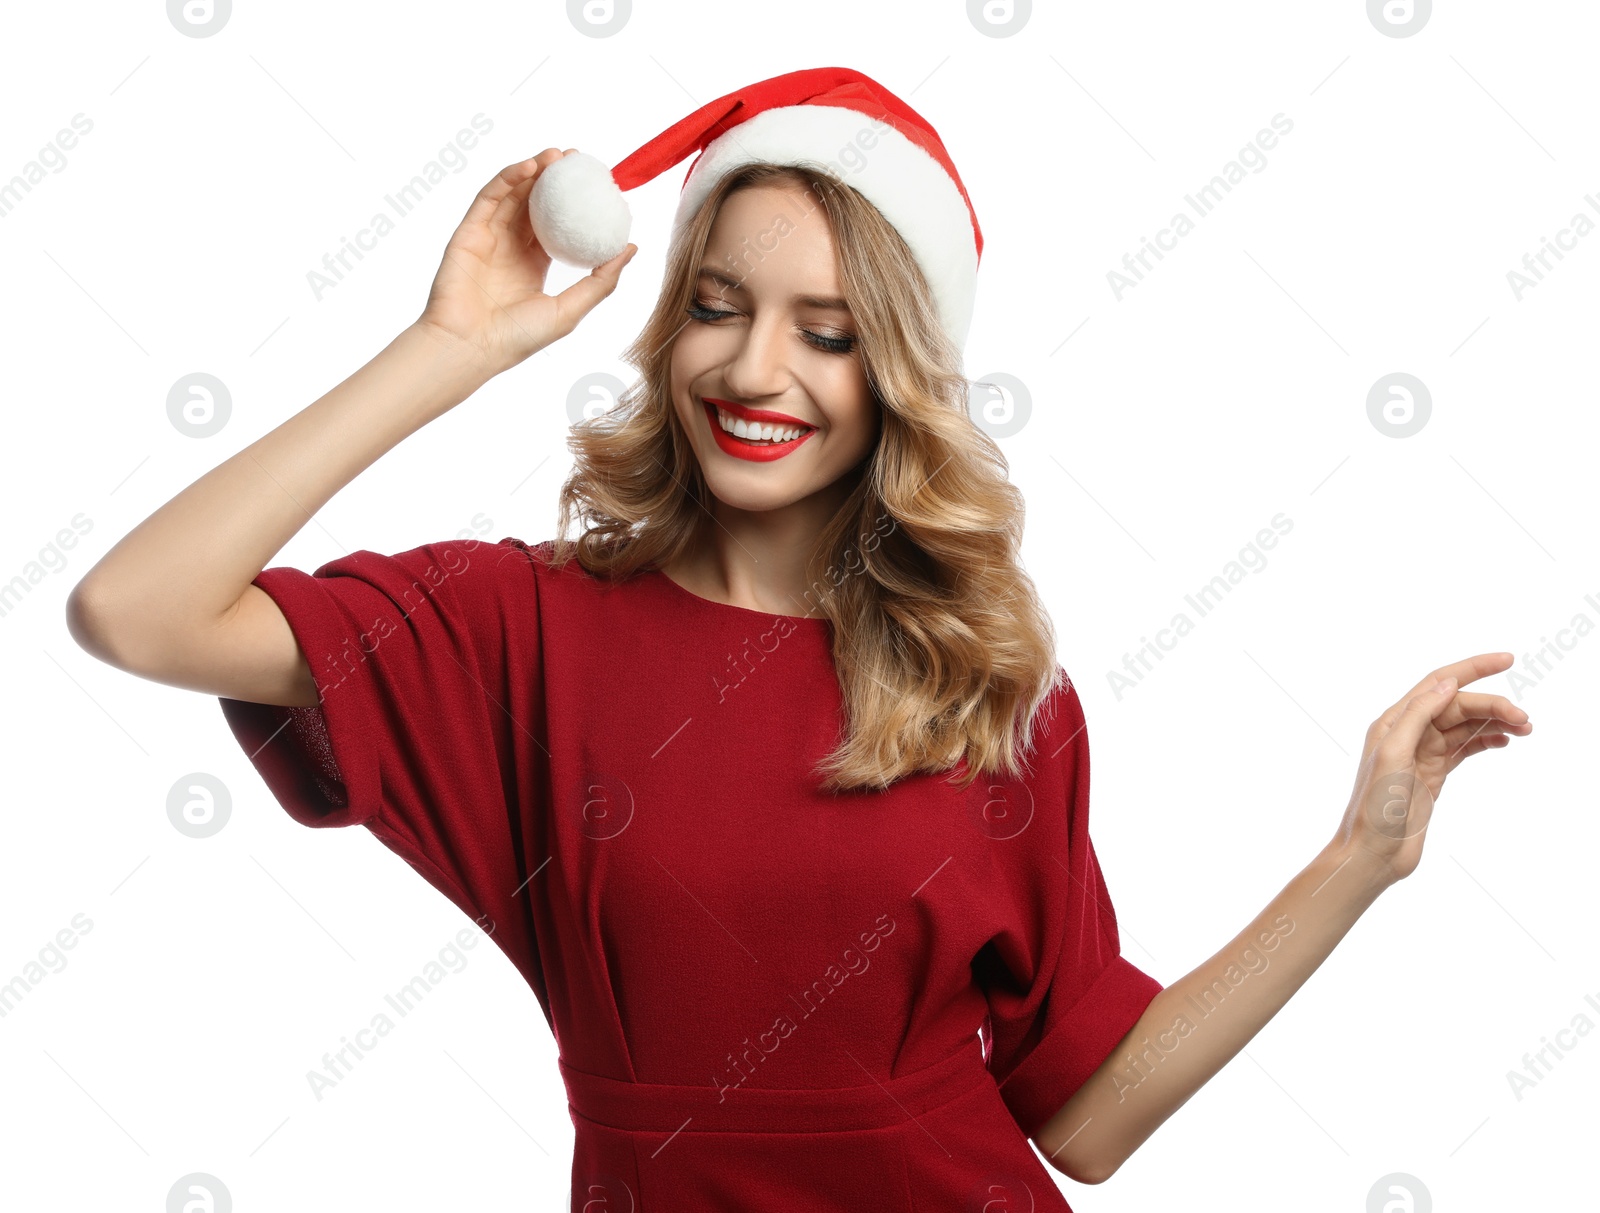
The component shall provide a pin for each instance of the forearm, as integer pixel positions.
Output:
(1198, 1023)
(187, 564)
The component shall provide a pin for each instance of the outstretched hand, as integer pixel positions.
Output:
(489, 291)
(1410, 749)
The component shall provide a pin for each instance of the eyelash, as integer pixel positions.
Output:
(831, 345)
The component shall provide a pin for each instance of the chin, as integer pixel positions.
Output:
(749, 498)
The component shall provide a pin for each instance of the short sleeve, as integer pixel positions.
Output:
(1060, 992)
(427, 667)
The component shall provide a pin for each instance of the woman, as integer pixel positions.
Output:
(769, 783)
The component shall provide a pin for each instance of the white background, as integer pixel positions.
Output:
(1228, 387)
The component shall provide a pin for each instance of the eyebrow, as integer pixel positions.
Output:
(733, 284)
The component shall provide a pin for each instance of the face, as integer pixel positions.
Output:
(769, 348)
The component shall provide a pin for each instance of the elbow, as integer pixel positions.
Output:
(1079, 1170)
(83, 622)
(89, 623)
(1089, 1172)
(1098, 1173)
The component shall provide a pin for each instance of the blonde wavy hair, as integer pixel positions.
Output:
(942, 647)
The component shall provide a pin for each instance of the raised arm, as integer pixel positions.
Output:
(173, 600)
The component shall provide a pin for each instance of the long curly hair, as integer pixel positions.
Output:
(942, 646)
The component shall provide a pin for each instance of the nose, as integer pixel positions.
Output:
(758, 365)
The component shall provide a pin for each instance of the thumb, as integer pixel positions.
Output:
(574, 303)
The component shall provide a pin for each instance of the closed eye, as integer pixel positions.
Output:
(829, 344)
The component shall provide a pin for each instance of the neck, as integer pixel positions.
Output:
(757, 558)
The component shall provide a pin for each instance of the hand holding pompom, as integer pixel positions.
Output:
(488, 297)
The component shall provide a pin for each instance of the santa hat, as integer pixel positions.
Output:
(831, 116)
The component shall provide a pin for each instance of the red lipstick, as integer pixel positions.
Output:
(764, 416)
(733, 445)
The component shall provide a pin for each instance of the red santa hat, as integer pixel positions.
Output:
(828, 116)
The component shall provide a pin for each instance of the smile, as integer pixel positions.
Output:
(757, 441)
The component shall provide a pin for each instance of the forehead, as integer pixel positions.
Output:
(772, 240)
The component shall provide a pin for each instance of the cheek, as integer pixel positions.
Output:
(694, 353)
(861, 416)
(684, 367)
(678, 387)
(695, 345)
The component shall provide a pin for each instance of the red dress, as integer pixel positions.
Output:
(764, 997)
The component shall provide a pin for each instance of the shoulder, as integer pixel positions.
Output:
(518, 567)
(535, 559)
(459, 572)
(1058, 726)
(511, 558)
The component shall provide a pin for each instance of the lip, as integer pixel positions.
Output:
(737, 447)
(763, 415)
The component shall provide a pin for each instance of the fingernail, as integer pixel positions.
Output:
(1444, 684)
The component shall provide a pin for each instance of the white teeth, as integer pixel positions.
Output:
(758, 431)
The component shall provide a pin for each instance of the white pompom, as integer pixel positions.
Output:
(579, 215)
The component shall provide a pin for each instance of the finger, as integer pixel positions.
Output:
(1474, 705)
(1458, 737)
(506, 214)
(1489, 741)
(511, 216)
(504, 182)
(1468, 669)
(1399, 744)
(574, 303)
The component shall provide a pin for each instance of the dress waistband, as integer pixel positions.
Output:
(665, 1107)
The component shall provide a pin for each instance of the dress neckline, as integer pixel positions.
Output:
(738, 610)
